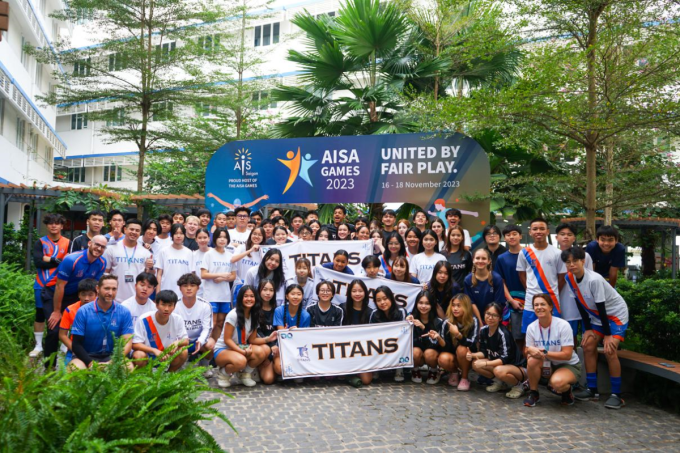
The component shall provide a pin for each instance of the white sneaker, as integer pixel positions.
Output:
(256, 375)
(247, 379)
(223, 378)
(399, 375)
(497, 386)
(36, 352)
(208, 373)
(235, 379)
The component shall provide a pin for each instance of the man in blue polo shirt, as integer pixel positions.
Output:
(74, 267)
(99, 324)
(608, 254)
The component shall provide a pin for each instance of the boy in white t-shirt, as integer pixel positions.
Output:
(197, 315)
(161, 334)
(126, 259)
(140, 304)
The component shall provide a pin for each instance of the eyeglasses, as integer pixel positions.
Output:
(492, 315)
(241, 216)
(98, 246)
(492, 233)
(325, 291)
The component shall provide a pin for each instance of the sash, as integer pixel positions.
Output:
(386, 267)
(540, 276)
(152, 333)
(571, 281)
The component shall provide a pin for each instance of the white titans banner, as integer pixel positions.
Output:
(404, 293)
(321, 252)
(334, 351)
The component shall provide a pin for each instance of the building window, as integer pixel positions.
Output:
(78, 121)
(113, 173)
(117, 62)
(76, 174)
(209, 43)
(117, 118)
(2, 115)
(261, 101)
(163, 111)
(24, 56)
(163, 51)
(38, 75)
(84, 15)
(21, 131)
(329, 14)
(81, 68)
(266, 35)
(205, 109)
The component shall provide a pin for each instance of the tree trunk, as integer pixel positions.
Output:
(648, 257)
(609, 188)
(591, 192)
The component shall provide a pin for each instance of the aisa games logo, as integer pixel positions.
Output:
(243, 161)
(298, 166)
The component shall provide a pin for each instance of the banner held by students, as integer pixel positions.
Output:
(335, 351)
(321, 252)
(404, 293)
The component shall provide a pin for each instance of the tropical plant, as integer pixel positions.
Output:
(17, 305)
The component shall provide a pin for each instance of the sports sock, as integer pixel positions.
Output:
(38, 339)
(592, 381)
(616, 385)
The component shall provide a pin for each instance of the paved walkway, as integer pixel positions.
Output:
(391, 417)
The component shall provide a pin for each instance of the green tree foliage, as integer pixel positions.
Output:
(17, 304)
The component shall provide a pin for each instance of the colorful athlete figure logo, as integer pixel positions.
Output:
(298, 165)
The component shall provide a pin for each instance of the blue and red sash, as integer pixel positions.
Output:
(386, 267)
(152, 333)
(56, 250)
(542, 280)
(571, 281)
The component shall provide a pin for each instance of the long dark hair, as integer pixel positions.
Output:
(285, 304)
(402, 246)
(429, 325)
(272, 302)
(318, 232)
(254, 311)
(445, 294)
(419, 235)
(434, 236)
(277, 274)
(393, 307)
(365, 312)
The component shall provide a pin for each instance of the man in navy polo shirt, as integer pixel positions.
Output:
(608, 254)
(99, 324)
(74, 267)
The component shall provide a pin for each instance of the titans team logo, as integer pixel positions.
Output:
(298, 165)
(303, 353)
(242, 159)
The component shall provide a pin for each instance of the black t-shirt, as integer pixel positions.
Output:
(494, 255)
(355, 318)
(79, 243)
(461, 263)
(500, 345)
(266, 328)
(443, 298)
(426, 342)
(319, 318)
(191, 244)
(333, 231)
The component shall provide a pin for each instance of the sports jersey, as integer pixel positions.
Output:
(422, 265)
(247, 262)
(469, 340)
(198, 320)
(99, 328)
(461, 265)
(553, 338)
(163, 242)
(126, 263)
(506, 267)
(354, 318)
(377, 316)
(137, 310)
(567, 302)
(112, 240)
(482, 294)
(291, 321)
(426, 342)
(75, 267)
(155, 245)
(495, 254)
(216, 263)
(320, 318)
(603, 262)
(198, 261)
(79, 243)
(237, 238)
(150, 332)
(443, 298)
(253, 280)
(46, 274)
(69, 316)
(551, 266)
(594, 289)
(308, 291)
(240, 336)
(500, 345)
(264, 329)
(174, 264)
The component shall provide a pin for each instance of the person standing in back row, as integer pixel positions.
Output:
(608, 254)
(95, 223)
(127, 259)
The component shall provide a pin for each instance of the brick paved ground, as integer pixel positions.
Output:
(396, 417)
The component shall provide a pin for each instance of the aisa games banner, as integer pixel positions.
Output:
(436, 173)
(334, 351)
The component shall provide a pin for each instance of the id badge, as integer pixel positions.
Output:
(129, 278)
(547, 369)
(104, 342)
(243, 346)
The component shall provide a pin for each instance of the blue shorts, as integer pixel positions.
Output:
(574, 326)
(38, 297)
(529, 316)
(618, 330)
(68, 358)
(221, 307)
(191, 350)
(237, 288)
(218, 351)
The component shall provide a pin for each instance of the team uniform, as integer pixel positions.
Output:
(199, 256)
(237, 238)
(240, 336)
(113, 241)
(308, 291)
(46, 275)
(67, 319)
(469, 340)
(602, 262)
(542, 268)
(138, 310)
(163, 242)
(266, 327)
(461, 265)
(602, 307)
(443, 298)
(422, 265)
(424, 343)
(218, 294)
(155, 245)
(247, 262)
(198, 321)
(377, 316)
(482, 294)
(553, 338)
(126, 263)
(150, 332)
(289, 321)
(174, 264)
(79, 243)
(570, 311)
(496, 253)
(500, 345)
(99, 329)
(253, 280)
(190, 243)
(506, 267)
(331, 317)
(346, 270)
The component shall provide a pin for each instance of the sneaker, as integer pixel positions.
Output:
(399, 375)
(208, 373)
(585, 394)
(553, 391)
(433, 376)
(484, 381)
(464, 385)
(568, 398)
(223, 378)
(355, 382)
(497, 386)
(614, 402)
(235, 379)
(36, 352)
(453, 379)
(247, 379)
(515, 392)
(256, 375)
(416, 376)
(532, 399)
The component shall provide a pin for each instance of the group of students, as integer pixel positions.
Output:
(510, 314)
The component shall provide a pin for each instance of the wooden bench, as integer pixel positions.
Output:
(631, 363)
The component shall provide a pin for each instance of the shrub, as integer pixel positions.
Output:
(17, 305)
(654, 307)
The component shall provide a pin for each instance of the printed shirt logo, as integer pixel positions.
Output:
(243, 161)
(298, 165)
(303, 353)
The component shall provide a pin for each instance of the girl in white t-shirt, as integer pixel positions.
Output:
(233, 352)
(203, 241)
(217, 273)
(248, 255)
(271, 267)
(423, 263)
(174, 261)
(305, 278)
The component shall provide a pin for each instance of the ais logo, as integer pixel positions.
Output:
(243, 161)
(298, 166)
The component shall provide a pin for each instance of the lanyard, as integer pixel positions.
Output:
(241, 335)
(547, 348)
(105, 327)
(129, 260)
